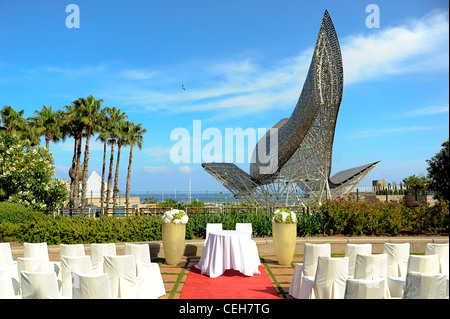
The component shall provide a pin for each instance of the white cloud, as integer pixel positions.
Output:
(386, 131)
(136, 74)
(425, 111)
(185, 169)
(156, 169)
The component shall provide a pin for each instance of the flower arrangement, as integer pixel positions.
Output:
(175, 216)
(284, 216)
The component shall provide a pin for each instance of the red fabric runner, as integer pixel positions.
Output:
(231, 285)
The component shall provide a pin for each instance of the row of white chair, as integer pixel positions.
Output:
(103, 274)
(362, 275)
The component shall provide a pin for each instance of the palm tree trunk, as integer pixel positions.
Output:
(85, 169)
(102, 188)
(108, 188)
(77, 167)
(116, 179)
(127, 192)
(72, 176)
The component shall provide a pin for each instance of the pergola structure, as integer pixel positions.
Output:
(303, 142)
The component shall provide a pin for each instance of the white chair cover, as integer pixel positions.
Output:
(330, 279)
(425, 286)
(247, 227)
(98, 251)
(148, 271)
(442, 251)
(5, 250)
(71, 250)
(351, 250)
(122, 276)
(9, 267)
(6, 285)
(307, 268)
(365, 288)
(211, 227)
(69, 264)
(91, 286)
(372, 267)
(32, 265)
(398, 255)
(35, 250)
(39, 285)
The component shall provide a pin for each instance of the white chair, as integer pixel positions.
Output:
(211, 227)
(122, 277)
(425, 286)
(330, 279)
(98, 251)
(372, 267)
(148, 271)
(442, 251)
(247, 227)
(365, 288)
(94, 286)
(40, 250)
(9, 267)
(39, 285)
(424, 264)
(71, 250)
(6, 286)
(351, 250)
(397, 265)
(32, 265)
(307, 268)
(69, 264)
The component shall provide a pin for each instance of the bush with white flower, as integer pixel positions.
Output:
(284, 216)
(175, 216)
(26, 175)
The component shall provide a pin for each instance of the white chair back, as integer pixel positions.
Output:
(32, 265)
(425, 264)
(212, 227)
(94, 286)
(71, 250)
(331, 277)
(122, 276)
(365, 288)
(6, 285)
(425, 286)
(398, 255)
(442, 251)
(77, 264)
(246, 227)
(39, 285)
(140, 252)
(98, 251)
(5, 250)
(311, 254)
(35, 250)
(369, 267)
(351, 250)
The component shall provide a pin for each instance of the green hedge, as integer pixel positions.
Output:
(342, 216)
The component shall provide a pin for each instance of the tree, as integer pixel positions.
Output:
(12, 120)
(121, 138)
(417, 183)
(89, 111)
(134, 136)
(103, 123)
(438, 172)
(47, 123)
(26, 175)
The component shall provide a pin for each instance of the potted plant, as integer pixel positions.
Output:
(284, 229)
(173, 235)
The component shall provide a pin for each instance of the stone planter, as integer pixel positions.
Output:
(173, 237)
(284, 241)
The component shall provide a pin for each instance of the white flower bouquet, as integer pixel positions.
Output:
(175, 216)
(284, 216)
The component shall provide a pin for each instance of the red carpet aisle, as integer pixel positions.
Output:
(231, 285)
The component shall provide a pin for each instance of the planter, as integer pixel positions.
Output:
(284, 240)
(173, 237)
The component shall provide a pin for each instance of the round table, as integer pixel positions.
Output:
(229, 249)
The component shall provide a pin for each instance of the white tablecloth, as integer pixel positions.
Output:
(228, 249)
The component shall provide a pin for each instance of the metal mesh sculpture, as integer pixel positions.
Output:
(304, 141)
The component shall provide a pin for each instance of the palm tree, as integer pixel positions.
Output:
(103, 123)
(12, 120)
(121, 139)
(134, 137)
(115, 116)
(89, 110)
(47, 123)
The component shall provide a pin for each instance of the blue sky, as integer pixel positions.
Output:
(243, 64)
